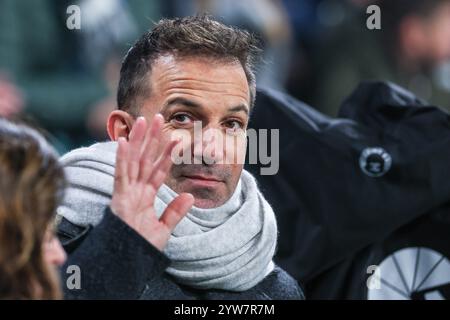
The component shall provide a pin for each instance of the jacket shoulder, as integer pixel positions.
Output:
(279, 285)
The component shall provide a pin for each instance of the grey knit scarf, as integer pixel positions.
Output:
(229, 247)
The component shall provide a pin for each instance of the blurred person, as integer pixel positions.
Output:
(313, 21)
(413, 41)
(197, 230)
(31, 186)
(65, 75)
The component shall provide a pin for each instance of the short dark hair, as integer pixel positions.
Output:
(198, 35)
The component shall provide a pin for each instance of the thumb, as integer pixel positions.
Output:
(177, 210)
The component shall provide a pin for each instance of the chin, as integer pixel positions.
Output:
(207, 198)
(207, 194)
(207, 203)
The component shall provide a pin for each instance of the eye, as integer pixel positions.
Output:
(181, 118)
(234, 125)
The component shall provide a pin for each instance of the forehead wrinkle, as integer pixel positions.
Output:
(191, 91)
(210, 86)
(218, 88)
(226, 87)
(190, 79)
(176, 78)
(172, 79)
(200, 103)
(171, 92)
(165, 75)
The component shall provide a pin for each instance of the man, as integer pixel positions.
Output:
(182, 73)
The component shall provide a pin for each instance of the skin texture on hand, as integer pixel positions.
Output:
(140, 172)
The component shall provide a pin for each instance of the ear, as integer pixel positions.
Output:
(119, 124)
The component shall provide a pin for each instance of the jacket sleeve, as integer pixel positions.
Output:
(111, 260)
(279, 285)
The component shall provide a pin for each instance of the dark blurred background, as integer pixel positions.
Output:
(317, 50)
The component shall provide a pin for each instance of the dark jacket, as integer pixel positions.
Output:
(338, 217)
(117, 263)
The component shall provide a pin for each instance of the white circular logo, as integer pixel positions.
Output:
(415, 273)
(375, 162)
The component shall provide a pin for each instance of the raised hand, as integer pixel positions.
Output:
(140, 172)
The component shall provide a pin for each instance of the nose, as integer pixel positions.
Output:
(209, 147)
(54, 253)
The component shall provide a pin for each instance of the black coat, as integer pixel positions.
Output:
(117, 263)
(341, 210)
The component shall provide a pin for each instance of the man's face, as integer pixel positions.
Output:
(214, 98)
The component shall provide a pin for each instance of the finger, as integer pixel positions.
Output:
(177, 210)
(136, 140)
(151, 147)
(121, 171)
(162, 166)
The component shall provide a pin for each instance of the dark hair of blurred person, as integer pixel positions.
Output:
(31, 186)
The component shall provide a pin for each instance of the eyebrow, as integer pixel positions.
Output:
(182, 101)
(238, 108)
(192, 104)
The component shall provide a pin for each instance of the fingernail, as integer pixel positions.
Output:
(191, 195)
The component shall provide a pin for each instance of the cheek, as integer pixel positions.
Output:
(185, 137)
(182, 134)
(235, 148)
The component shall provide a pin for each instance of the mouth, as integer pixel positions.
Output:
(203, 180)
